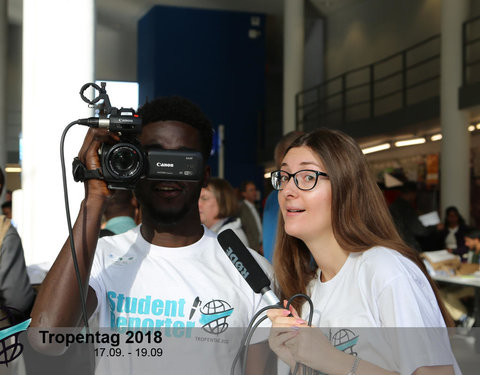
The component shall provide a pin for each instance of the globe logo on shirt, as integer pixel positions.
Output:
(214, 316)
(10, 347)
(345, 340)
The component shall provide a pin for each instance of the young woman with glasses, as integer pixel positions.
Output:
(337, 243)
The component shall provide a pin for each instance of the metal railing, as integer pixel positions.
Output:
(395, 82)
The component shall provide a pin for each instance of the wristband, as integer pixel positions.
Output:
(81, 173)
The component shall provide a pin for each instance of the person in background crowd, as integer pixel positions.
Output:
(270, 211)
(218, 208)
(455, 295)
(363, 274)
(120, 213)
(16, 293)
(472, 241)
(7, 209)
(453, 234)
(406, 218)
(251, 222)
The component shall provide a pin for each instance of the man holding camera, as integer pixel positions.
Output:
(165, 274)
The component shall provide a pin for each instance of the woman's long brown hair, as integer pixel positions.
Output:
(360, 216)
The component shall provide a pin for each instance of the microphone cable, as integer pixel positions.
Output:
(69, 224)
(252, 326)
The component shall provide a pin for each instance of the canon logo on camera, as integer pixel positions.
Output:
(170, 165)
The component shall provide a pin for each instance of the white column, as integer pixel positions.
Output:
(455, 150)
(3, 86)
(58, 58)
(293, 56)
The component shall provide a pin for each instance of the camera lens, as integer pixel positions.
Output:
(124, 161)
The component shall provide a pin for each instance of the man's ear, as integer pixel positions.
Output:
(206, 175)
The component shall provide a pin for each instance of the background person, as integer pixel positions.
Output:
(364, 275)
(218, 207)
(251, 221)
(406, 218)
(270, 211)
(452, 237)
(472, 241)
(16, 292)
(7, 209)
(455, 295)
(120, 213)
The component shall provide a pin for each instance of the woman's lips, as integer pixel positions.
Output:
(294, 211)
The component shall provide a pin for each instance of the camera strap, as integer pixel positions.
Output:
(81, 173)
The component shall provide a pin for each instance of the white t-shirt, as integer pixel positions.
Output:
(235, 225)
(374, 290)
(193, 293)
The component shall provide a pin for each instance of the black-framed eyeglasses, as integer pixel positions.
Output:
(306, 179)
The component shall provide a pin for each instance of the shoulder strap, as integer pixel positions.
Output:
(4, 227)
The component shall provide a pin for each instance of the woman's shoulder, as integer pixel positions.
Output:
(384, 264)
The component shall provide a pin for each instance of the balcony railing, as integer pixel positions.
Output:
(395, 82)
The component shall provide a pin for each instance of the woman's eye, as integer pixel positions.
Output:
(309, 177)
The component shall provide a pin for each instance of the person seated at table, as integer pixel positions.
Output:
(454, 295)
(472, 241)
(453, 235)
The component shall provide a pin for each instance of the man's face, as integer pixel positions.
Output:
(250, 193)
(7, 211)
(472, 243)
(168, 202)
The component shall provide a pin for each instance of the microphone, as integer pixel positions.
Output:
(246, 264)
(119, 123)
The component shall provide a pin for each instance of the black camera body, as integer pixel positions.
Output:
(124, 163)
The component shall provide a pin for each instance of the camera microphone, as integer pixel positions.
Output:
(122, 123)
(246, 264)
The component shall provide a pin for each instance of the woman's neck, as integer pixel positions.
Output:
(328, 255)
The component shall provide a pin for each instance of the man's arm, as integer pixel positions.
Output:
(250, 227)
(58, 302)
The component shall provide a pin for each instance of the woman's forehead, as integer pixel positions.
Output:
(301, 156)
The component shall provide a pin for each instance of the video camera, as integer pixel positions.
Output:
(126, 162)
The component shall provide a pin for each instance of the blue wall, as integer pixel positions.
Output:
(210, 57)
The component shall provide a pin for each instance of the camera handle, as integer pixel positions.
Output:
(102, 95)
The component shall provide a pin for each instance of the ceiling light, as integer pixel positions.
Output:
(410, 142)
(471, 128)
(436, 137)
(369, 150)
(13, 169)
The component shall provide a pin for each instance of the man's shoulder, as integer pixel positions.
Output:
(9, 237)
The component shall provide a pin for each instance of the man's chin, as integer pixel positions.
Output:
(169, 218)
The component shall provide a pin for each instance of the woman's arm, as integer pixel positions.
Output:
(294, 342)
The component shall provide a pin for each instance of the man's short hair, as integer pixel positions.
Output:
(7, 204)
(473, 233)
(179, 109)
